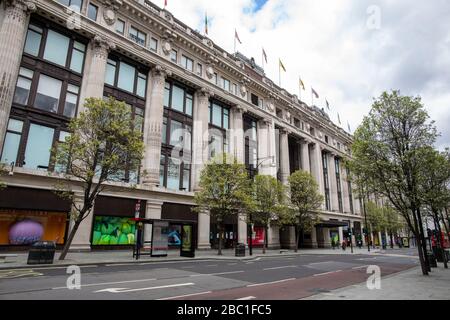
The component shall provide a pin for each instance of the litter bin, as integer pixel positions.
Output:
(42, 252)
(432, 260)
(240, 250)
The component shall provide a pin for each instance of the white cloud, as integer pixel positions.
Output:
(328, 44)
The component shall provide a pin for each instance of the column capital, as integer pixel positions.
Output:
(27, 6)
(160, 71)
(284, 131)
(239, 108)
(204, 93)
(101, 46)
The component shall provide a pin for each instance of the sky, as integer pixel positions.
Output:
(349, 51)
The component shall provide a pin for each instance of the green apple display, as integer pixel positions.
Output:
(113, 231)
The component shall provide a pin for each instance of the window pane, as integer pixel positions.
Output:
(186, 175)
(189, 104)
(33, 42)
(48, 92)
(153, 44)
(120, 26)
(37, 154)
(217, 115)
(164, 131)
(15, 125)
(187, 145)
(173, 174)
(22, 90)
(161, 170)
(226, 119)
(126, 77)
(173, 56)
(56, 48)
(176, 133)
(177, 98)
(110, 72)
(166, 94)
(76, 64)
(92, 12)
(141, 86)
(70, 105)
(11, 147)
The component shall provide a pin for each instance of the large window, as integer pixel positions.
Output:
(126, 76)
(179, 98)
(55, 47)
(219, 122)
(176, 150)
(187, 63)
(350, 192)
(138, 36)
(251, 145)
(38, 148)
(12, 141)
(337, 165)
(326, 181)
(92, 11)
(120, 26)
(73, 4)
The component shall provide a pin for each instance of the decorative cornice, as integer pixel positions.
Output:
(102, 46)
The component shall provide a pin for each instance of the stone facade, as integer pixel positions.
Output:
(171, 51)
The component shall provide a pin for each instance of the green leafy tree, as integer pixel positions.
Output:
(103, 144)
(435, 180)
(2, 172)
(225, 191)
(269, 203)
(393, 222)
(386, 152)
(305, 200)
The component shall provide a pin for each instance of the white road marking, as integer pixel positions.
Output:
(211, 265)
(216, 274)
(120, 264)
(360, 267)
(188, 267)
(231, 264)
(186, 295)
(12, 274)
(272, 282)
(325, 273)
(313, 263)
(283, 267)
(247, 298)
(108, 283)
(125, 290)
(178, 262)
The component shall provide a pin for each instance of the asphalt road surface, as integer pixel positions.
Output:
(271, 278)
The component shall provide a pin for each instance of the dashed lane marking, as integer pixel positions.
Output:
(108, 283)
(186, 295)
(247, 298)
(272, 282)
(325, 273)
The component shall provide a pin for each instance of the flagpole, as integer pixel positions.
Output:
(312, 97)
(279, 74)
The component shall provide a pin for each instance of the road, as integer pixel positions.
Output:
(268, 278)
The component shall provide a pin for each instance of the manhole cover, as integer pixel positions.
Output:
(319, 290)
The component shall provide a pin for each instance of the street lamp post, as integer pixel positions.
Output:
(250, 228)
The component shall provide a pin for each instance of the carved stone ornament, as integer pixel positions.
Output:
(166, 47)
(271, 106)
(288, 116)
(209, 72)
(109, 15)
(19, 9)
(243, 91)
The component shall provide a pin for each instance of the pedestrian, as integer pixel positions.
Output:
(333, 243)
(344, 245)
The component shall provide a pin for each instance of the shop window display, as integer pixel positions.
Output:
(110, 231)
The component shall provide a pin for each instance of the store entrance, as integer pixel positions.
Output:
(229, 236)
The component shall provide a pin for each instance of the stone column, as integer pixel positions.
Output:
(237, 134)
(333, 182)
(284, 161)
(203, 231)
(345, 191)
(154, 109)
(317, 168)
(273, 237)
(242, 230)
(341, 234)
(94, 74)
(82, 239)
(201, 136)
(266, 149)
(12, 38)
(305, 156)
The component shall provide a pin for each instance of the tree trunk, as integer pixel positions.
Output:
(445, 225)
(392, 240)
(70, 238)
(422, 239)
(265, 239)
(220, 241)
(297, 238)
(438, 240)
(419, 246)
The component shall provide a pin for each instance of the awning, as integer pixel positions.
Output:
(332, 224)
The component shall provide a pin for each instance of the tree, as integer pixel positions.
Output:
(386, 152)
(305, 200)
(393, 222)
(225, 191)
(269, 203)
(435, 194)
(103, 144)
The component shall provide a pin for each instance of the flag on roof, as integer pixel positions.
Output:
(328, 105)
(264, 54)
(282, 66)
(302, 85)
(237, 36)
(315, 93)
(206, 22)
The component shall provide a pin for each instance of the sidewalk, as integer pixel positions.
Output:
(116, 257)
(407, 285)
